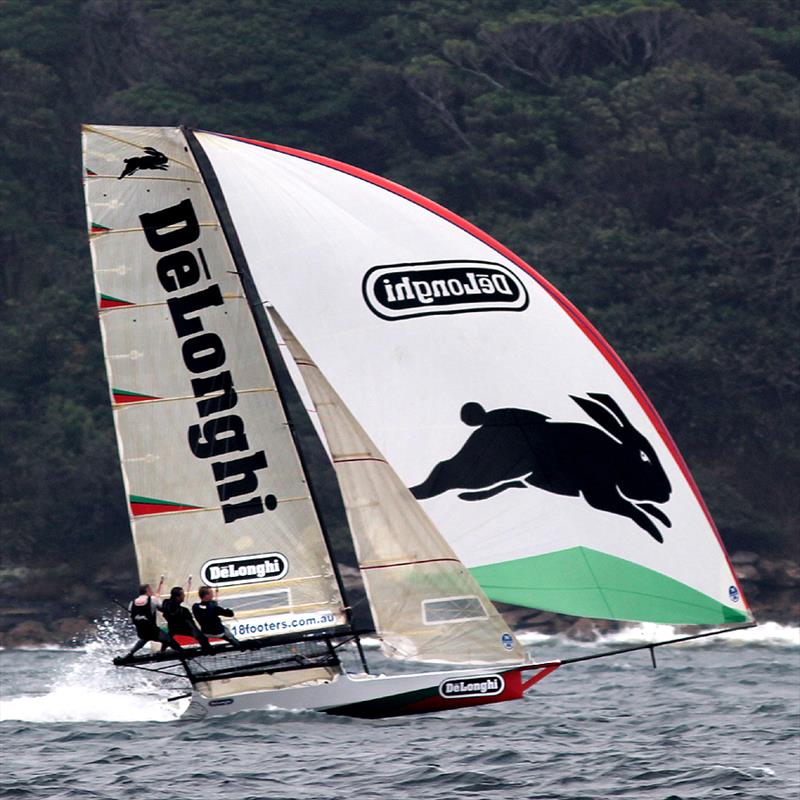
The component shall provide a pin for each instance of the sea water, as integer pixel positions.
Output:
(718, 718)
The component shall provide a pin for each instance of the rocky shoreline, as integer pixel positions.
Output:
(55, 607)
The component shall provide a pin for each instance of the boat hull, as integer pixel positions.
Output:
(375, 696)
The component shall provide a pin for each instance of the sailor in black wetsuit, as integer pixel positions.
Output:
(208, 612)
(179, 618)
(143, 615)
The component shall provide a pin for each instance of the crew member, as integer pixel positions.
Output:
(143, 615)
(208, 612)
(179, 618)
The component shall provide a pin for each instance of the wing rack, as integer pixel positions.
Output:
(252, 657)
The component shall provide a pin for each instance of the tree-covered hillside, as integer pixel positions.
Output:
(642, 154)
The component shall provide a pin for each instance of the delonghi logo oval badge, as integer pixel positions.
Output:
(474, 686)
(244, 569)
(400, 291)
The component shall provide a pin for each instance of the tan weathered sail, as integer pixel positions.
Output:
(425, 603)
(215, 487)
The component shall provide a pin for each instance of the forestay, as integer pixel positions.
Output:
(526, 440)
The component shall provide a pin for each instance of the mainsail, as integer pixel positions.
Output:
(216, 489)
(526, 440)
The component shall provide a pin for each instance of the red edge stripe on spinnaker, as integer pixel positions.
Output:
(577, 317)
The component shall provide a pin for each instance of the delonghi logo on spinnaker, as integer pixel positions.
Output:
(400, 291)
(474, 686)
(244, 569)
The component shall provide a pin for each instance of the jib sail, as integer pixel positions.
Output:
(524, 437)
(216, 491)
(425, 603)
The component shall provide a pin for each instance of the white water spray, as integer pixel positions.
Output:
(83, 686)
(766, 633)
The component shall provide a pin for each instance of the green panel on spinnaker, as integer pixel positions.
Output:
(587, 583)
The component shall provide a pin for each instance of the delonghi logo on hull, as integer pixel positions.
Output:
(244, 569)
(399, 291)
(476, 686)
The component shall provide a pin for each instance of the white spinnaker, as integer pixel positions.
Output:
(426, 605)
(174, 495)
(313, 229)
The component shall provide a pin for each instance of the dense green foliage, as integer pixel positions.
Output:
(642, 154)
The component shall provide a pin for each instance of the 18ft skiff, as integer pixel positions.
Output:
(354, 413)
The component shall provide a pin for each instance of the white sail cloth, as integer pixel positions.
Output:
(480, 384)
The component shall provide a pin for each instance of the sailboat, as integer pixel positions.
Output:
(352, 413)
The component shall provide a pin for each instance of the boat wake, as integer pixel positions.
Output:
(82, 704)
(81, 685)
(771, 634)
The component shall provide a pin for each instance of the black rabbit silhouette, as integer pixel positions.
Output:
(153, 160)
(513, 448)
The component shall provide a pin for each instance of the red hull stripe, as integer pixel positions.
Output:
(591, 332)
(429, 700)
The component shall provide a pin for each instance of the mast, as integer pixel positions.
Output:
(319, 472)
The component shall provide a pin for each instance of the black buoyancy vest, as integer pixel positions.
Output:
(178, 617)
(144, 618)
(207, 616)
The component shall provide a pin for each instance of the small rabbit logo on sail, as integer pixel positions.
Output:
(153, 160)
(615, 469)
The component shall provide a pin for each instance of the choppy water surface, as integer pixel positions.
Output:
(715, 720)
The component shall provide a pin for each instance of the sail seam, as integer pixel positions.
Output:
(596, 582)
(143, 178)
(353, 459)
(408, 563)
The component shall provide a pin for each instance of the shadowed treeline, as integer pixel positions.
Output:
(640, 153)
